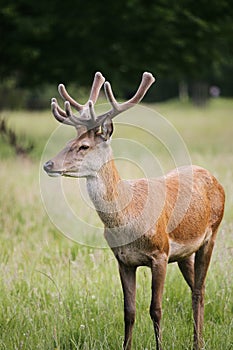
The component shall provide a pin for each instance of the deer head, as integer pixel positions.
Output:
(85, 155)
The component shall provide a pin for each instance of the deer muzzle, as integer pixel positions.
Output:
(49, 168)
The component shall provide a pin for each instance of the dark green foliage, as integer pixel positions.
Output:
(56, 41)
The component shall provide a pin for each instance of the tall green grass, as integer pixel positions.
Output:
(57, 294)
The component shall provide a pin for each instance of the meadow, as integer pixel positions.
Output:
(58, 294)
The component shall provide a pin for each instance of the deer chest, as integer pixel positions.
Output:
(131, 256)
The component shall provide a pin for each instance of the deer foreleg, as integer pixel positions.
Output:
(158, 270)
(128, 281)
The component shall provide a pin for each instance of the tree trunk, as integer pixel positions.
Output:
(199, 93)
(183, 91)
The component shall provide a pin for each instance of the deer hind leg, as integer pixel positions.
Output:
(158, 269)
(128, 281)
(201, 264)
(187, 269)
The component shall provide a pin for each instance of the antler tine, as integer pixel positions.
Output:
(147, 81)
(117, 108)
(64, 94)
(96, 86)
(59, 109)
(59, 114)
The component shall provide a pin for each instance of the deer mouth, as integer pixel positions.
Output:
(65, 173)
(55, 173)
(59, 173)
(73, 174)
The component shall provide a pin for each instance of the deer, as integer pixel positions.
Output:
(147, 222)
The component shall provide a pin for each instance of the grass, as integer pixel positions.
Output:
(57, 294)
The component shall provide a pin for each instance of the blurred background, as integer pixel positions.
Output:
(187, 45)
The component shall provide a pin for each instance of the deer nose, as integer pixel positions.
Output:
(48, 166)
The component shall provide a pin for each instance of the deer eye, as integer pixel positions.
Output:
(83, 147)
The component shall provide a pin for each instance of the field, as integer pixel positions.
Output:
(58, 294)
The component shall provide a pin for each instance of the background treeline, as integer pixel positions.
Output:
(188, 45)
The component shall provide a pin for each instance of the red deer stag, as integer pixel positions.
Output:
(148, 222)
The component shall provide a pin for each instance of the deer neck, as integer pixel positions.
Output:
(109, 194)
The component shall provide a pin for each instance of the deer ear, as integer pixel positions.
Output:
(106, 129)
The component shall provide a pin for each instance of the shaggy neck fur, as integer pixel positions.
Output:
(109, 194)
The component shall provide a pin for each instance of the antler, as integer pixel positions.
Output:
(67, 117)
(88, 116)
(117, 108)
